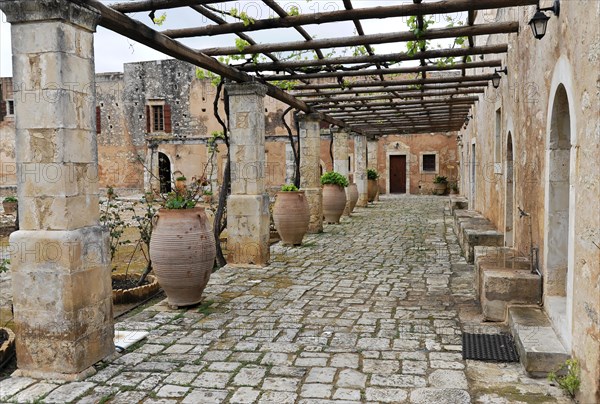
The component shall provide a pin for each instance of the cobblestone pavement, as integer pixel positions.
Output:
(370, 311)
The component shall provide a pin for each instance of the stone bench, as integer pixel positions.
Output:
(540, 349)
(458, 203)
(480, 235)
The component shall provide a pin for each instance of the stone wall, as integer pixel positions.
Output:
(8, 167)
(548, 104)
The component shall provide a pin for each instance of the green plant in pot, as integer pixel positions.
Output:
(439, 184)
(372, 187)
(10, 205)
(182, 246)
(291, 214)
(334, 196)
(453, 186)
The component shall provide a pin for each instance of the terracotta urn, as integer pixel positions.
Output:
(352, 195)
(291, 215)
(372, 189)
(10, 208)
(439, 188)
(182, 250)
(334, 202)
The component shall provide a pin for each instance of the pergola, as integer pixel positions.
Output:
(341, 89)
(60, 264)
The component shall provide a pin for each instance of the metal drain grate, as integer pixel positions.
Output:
(489, 347)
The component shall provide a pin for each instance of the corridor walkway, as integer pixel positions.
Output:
(370, 311)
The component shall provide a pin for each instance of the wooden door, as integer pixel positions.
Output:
(397, 174)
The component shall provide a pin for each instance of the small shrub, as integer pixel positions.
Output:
(176, 201)
(372, 174)
(334, 178)
(439, 179)
(180, 178)
(289, 188)
(10, 199)
(4, 265)
(570, 381)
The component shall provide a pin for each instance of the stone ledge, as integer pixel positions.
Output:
(458, 203)
(540, 350)
(503, 287)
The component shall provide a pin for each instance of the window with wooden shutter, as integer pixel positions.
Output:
(98, 121)
(429, 162)
(167, 118)
(148, 119)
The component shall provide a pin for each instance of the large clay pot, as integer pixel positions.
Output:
(439, 188)
(334, 202)
(372, 189)
(291, 215)
(182, 249)
(10, 208)
(352, 195)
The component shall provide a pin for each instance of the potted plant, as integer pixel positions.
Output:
(182, 246)
(334, 196)
(10, 205)
(291, 215)
(372, 187)
(453, 186)
(439, 184)
(180, 185)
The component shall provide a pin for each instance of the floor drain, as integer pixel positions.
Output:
(489, 347)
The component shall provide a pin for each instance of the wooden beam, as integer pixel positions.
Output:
(398, 89)
(328, 100)
(457, 100)
(483, 29)
(373, 72)
(121, 24)
(371, 83)
(402, 10)
(389, 58)
(149, 5)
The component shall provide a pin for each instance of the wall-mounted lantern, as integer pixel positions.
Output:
(539, 22)
(496, 77)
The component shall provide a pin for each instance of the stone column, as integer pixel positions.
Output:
(248, 205)
(372, 146)
(340, 159)
(61, 282)
(310, 178)
(360, 169)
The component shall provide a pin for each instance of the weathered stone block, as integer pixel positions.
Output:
(540, 349)
(58, 212)
(62, 297)
(503, 287)
(495, 258)
(480, 235)
(314, 196)
(248, 229)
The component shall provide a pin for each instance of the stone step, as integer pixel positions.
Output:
(540, 350)
(458, 203)
(502, 287)
(480, 235)
(495, 258)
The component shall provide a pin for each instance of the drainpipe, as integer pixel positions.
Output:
(533, 255)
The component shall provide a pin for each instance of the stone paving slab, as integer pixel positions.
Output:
(371, 311)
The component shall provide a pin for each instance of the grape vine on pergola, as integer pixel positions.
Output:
(367, 93)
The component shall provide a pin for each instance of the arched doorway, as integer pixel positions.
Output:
(510, 192)
(164, 173)
(558, 221)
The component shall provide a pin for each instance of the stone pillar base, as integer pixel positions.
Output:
(314, 196)
(67, 377)
(347, 208)
(248, 221)
(62, 297)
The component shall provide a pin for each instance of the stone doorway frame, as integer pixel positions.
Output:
(509, 197)
(403, 150)
(560, 308)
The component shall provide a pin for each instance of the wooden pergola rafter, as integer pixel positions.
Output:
(366, 92)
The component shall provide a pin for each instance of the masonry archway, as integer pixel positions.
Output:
(510, 193)
(559, 215)
(164, 173)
